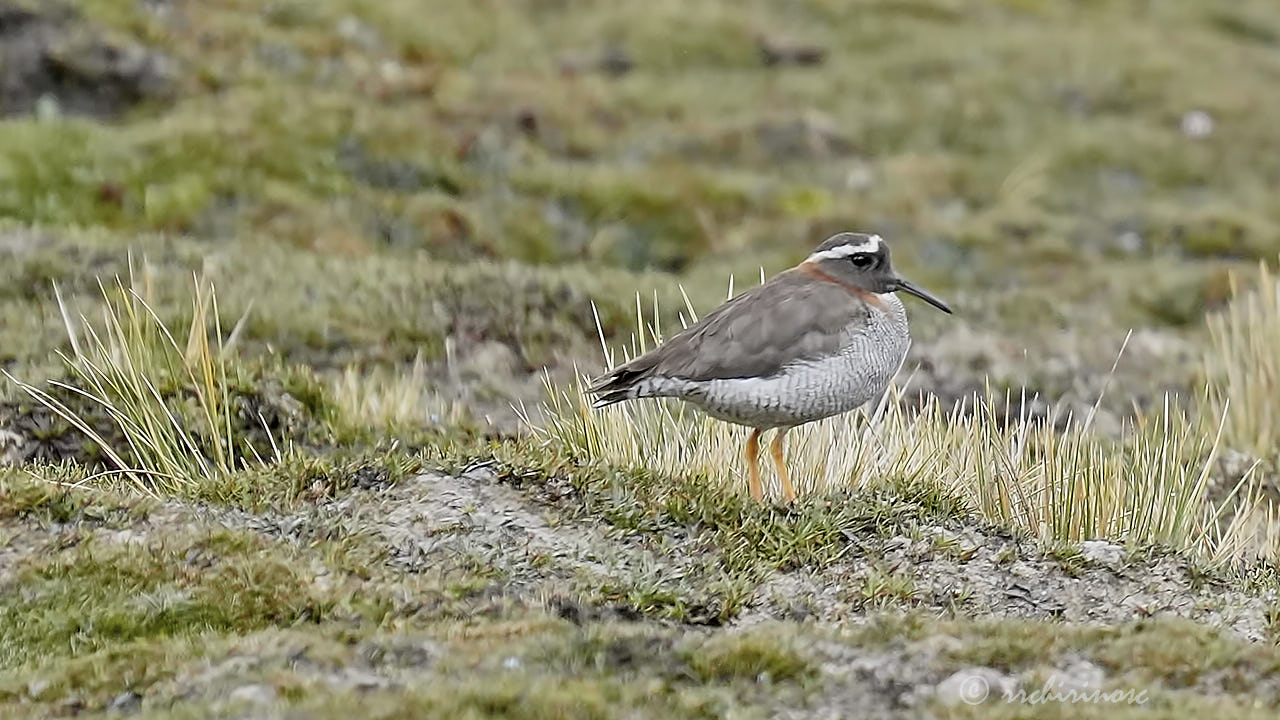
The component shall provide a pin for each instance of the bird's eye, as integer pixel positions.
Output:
(862, 260)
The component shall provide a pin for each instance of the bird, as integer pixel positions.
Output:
(816, 340)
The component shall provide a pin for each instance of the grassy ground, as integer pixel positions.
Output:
(408, 209)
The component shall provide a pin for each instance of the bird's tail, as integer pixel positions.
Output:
(611, 398)
(617, 386)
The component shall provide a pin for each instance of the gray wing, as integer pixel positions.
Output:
(756, 334)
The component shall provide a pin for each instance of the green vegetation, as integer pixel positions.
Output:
(1165, 658)
(86, 598)
(813, 532)
(755, 656)
(435, 122)
(128, 367)
(350, 127)
(1244, 366)
(359, 478)
(1059, 484)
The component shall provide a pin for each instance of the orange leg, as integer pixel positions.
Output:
(753, 466)
(788, 492)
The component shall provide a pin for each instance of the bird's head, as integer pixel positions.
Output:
(862, 261)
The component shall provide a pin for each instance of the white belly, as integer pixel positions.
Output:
(803, 392)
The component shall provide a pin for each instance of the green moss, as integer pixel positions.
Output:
(652, 219)
(1184, 297)
(1170, 652)
(811, 532)
(754, 655)
(99, 594)
(1224, 232)
(95, 679)
(1070, 558)
(45, 495)
(299, 478)
(410, 308)
(165, 173)
(711, 597)
(1170, 707)
(1244, 25)
(1181, 654)
(516, 697)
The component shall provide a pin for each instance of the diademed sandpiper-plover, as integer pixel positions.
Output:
(819, 339)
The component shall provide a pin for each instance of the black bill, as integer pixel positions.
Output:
(909, 287)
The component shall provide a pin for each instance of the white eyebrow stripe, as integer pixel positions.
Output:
(843, 251)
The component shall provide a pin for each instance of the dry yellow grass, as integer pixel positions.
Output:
(126, 369)
(1243, 366)
(1147, 485)
(388, 399)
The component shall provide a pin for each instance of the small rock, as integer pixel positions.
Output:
(352, 30)
(612, 61)
(415, 655)
(10, 445)
(615, 62)
(943, 535)
(48, 108)
(1129, 242)
(127, 701)
(362, 680)
(36, 687)
(1120, 181)
(254, 694)
(974, 686)
(384, 173)
(1025, 570)
(1100, 421)
(954, 211)
(811, 135)
(282, 58)
(860, 177)
(126, 537)
(487, 360)
(1197, 124)
(391, 71)
(1103, 553)
(896, 543)
(1081, 677)
(53, 63)
(936, 645)
(1233, 464)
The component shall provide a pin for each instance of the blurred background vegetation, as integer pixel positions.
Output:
(452, 184)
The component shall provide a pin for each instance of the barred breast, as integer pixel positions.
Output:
(871, 352)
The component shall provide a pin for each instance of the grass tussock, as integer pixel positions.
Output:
(1057, 481)
(1243, 363)
(158, 406)
(387, 399)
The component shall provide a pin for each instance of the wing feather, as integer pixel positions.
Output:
(756, 334)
